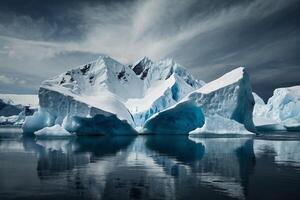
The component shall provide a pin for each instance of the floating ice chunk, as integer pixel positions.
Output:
(53, 131)
(220, 125)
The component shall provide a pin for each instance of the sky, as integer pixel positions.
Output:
(40, 39)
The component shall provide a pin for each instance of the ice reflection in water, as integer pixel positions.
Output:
(146, 167)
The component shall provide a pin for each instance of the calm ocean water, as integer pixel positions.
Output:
(150, 167)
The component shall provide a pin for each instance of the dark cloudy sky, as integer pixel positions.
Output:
(39, 39)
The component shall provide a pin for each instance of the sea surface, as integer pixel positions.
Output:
(150, 167)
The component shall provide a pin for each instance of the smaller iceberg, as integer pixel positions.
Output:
(56, 131)
(282, 111)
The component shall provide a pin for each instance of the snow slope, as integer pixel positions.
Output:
(105, 93)
(281, 112)
(229, 97)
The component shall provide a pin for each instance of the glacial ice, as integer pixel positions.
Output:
(105, 96)
(179, 119)
(55, 130)
(229, 97)
(215, 125)
(164, 84)
(282, 111)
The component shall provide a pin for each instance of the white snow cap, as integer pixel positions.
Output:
(225, 80)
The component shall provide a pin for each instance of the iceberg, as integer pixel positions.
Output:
(282, 111)
(84, 92)
(107, 97)
(55, 130)
(15, 107)
(228, 99)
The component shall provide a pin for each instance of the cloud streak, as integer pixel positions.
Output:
(210, 38)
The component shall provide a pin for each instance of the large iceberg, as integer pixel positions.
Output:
(107, 97)
(228, 99)
(282, 111)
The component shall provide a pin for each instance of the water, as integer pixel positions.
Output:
(150, 167)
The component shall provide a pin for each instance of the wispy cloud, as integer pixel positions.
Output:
(132, 30)
(207, 37)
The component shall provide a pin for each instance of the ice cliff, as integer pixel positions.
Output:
(224, 105)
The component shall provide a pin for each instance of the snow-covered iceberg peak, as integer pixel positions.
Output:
(142, 67)
(227, 98)
(105, 74)
(89, 95)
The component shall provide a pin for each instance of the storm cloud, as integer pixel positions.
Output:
(39, 39)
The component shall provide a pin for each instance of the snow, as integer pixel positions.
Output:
(282, 111)
(219, 125)
(55, 130)
(229, 97)
(224, 81)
